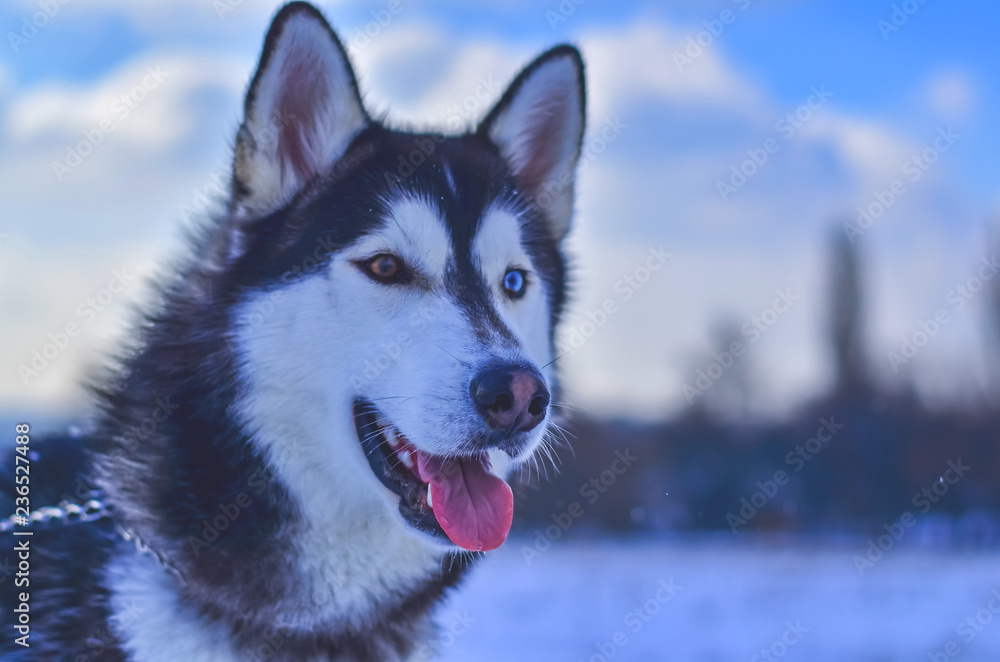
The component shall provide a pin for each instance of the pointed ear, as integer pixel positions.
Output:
(301, 112)
(538, 126)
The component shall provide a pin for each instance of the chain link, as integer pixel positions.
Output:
(68, 512)
(146, 550)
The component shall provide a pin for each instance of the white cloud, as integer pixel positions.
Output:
(951, 93)
(625, 65)
(869, 148)
(147, 101)
(613, 78)
(128, 182)
(6, 82)
(156, 16)
(63, 279)
(387, 65)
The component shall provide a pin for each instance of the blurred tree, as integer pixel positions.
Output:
(846, 320)
(992, 334)
(731, 397)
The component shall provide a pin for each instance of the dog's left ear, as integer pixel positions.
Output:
(538, 126)
(301, 112)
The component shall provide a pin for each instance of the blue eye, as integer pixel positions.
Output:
(514, 282)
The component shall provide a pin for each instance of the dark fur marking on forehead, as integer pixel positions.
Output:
(466, 286)
(356, 197)
(462, 184)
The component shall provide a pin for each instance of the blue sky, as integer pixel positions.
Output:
(654, 184)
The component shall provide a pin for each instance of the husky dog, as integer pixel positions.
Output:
(308, 444)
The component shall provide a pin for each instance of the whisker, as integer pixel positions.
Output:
(568, 405)
(557, 358)
(457, 360)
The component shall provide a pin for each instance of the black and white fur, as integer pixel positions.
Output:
(250, 365)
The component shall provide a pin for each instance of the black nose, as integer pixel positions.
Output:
(510, 398)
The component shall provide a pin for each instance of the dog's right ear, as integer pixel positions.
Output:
(538, 126)
(301, 112)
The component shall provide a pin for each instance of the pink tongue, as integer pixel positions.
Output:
(473, 506)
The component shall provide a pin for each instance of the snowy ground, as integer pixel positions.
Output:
(577, 599)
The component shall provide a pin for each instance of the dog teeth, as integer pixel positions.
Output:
(429, 502)
(404, 456)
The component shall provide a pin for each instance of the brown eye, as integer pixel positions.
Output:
(384, 268)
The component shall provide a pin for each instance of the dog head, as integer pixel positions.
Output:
(395, 294)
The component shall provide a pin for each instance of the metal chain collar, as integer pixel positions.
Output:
(68, 512)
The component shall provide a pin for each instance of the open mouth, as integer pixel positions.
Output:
(456, 498)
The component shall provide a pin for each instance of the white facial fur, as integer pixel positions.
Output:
(496, 248)
(408, 349)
